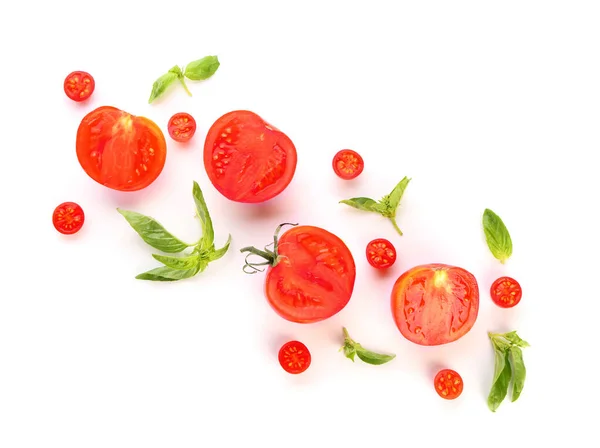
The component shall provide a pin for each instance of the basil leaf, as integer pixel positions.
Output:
(189, 262)
(161, 84)
(500, 386)
(499, 364)
(215, 255)
(167, 274)
(515, 339)
(496, 236)
(515, 357)
(392, 200)
(208, 236)
(202, 68)
(349, 350)
(372, 357)
(366, 204)
(153, 233)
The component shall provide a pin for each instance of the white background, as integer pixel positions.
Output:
(483, 104)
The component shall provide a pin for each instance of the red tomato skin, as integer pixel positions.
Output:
(121, 151)
(448, 384)
(247, 159)
(338, 162)
(302, 361)
(68, 218)
(502, 284)
(301, 288)
(175, 126)
(80, 90)
(435, 304)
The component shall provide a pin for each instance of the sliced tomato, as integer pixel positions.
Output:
(182, 127)
(119, 150)
(79, 85)
(294, 357)
(68, 218)
(247, 159)
(448, 384)
(381, 254)
(348, 164)
(435, 303)
(506, 292)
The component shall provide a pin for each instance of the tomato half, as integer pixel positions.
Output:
(381, 254)
(68, 218)
(79, 85)
(182, 127)
(294, 357)
(119, 150)
(506, 292)
(348, 164)
(448, 384)
(435, 303)
(247, 159)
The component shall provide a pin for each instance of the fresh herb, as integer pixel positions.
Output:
(198, 70)
(352, 348)
(386, 207)
(508, 367)
(187, 264)
(497, 236)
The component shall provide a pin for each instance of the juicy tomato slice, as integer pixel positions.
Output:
(182, 127)
(314, 278)
(294, 357)
(448, 384)
(348, 164)
(120, 151)
(247, 159)
(506, 292)
(79, 85)
(381, 254)
(68, 218)
(435, 303)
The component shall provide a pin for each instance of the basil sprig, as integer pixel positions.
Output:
(497, 236)
(352, 348)
(187, 264)
(508, 367)
(198, 70)
(386, 207)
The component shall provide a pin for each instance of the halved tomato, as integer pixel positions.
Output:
(119, 150)
(247, 159)
(435, 303)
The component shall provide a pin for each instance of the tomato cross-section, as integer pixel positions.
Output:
(381, 253)
(79, 85)
(181, 127)
(294, 357)
(348, 164)
(506, 292)
(448, 384)
(68, 218)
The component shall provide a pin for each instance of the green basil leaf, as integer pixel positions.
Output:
(202, 68)
(208, 235)
(392, 200)
(349, 351)
(515, 357)
(366, 204)
(515, 339)
(499, 364)
(167, 274)
(215, 255)
(373, 358)
(153, 233)
(161, 84)
(188, 262)
(497, 236)
(499, 387)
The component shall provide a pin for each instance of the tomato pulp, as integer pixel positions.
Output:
(120, 151)
(348, 164)
(247, 159)
(311, 274)
(79, 85)
(506, 292)
(435, 303)
(181, 127)
(381, 253)
(68, 218)
(294, 357)
(448, 384)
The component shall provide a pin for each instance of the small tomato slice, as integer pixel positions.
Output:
(506, 292)
(247, 159)
(68, 218)
(381, 253)
(79, 85)
(119, 150)
(294, 357)
(448, 384)
(348, 164)
(182, 127)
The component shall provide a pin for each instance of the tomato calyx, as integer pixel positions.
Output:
(270, 257)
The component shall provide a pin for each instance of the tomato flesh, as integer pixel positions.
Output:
(68, 218)
(181, 127)
(348, 164)
(294, 357)
(79, 85)
(506, 292)
(448, 384)
(247, 159)
(435, 304)
(120, 151)
(381, 253)
(314, 278)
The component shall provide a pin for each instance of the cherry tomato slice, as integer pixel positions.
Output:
(381, 254)
(448, 384)
(348, 164)
(79, 85)
(182, 127)
(294, 357)
(506, 292)
(68, 218)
